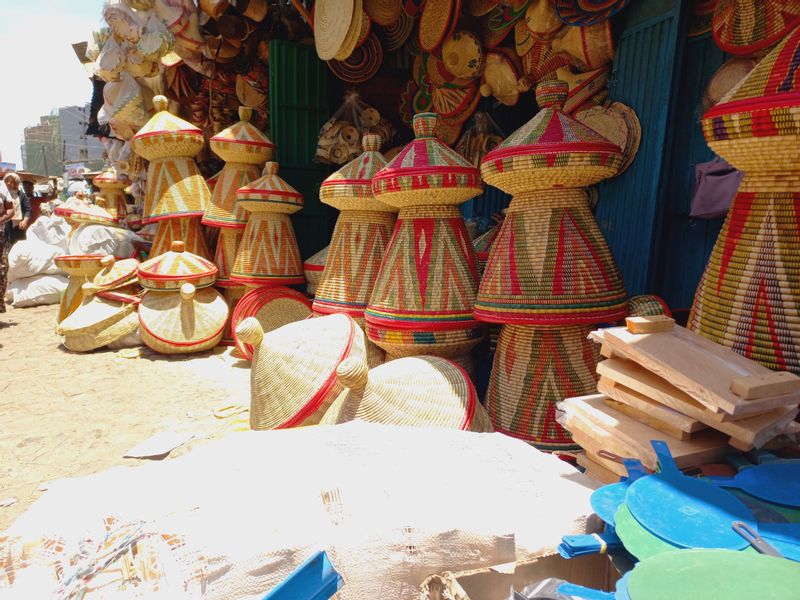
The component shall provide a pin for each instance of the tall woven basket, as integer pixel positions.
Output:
(185, 229)
(81, 269)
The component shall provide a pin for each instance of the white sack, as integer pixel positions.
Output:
(36, 290)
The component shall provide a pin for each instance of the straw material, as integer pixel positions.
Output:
(232, 296)
(362, 64)
(498, 23)
(462, 54)
(111, 185)
(383, 12)
(175, 188)
(589, 47)
(167, 136)
(744, 27)
(582, 86)
(190, 320)
(588, 12)
(272, 307)
(550, 265)
(648, 305)
(269, 193)
(225, 255)
(357, 249)
(426, 172)
(170, 270)
(396, 34)
(541, 19)
(501, 76)
(115, 273)
(482, 245)
(313, 268)
(351, 40)
(550, 150)
(350, 188)
(617, 123)
(99, 320)
(293, 375)
(540, 63)
(81, 269)
(728, 76)
(222, 210)
(411, 392)
(92, 214)
(400, 343)
(83, 342)
(434, 24)
(187, 230)
(243, 142)
(534, 368)
(332, 20)
(268, 252)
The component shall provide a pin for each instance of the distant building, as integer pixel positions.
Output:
(59, 140)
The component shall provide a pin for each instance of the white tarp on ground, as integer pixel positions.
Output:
(231, 519)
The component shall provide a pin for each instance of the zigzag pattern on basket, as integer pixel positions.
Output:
(534, 368)
(269, 193)
(222, 210)
(428, 279)
(357, 249)
(185, 229)
(550, 265)
(175, 188)
(268, 252)
(225, 255)
(749, 297)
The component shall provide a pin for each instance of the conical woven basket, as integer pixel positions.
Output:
(187, 230)
(81, 269)
(550, 265)
(269, 193)
(100, 320)
(425, 391)
(293, 376)
(93, 214)
(358, 247)
(268, 252)
(225, 255)
(400, 343)
(313, 268)
(589, 47)
(170, 270)
(744, 27)
(535, 368)
(221, 210)
(243, 142)
(272, 307)
(166, 135)
(116, 273)
(189, 320)
(111, 185)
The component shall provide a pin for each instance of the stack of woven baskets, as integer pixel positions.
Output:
(550, 275)
(177, 195)
(360, 239)
(244, 148)
(424, 294)
(112, 188)
(749, 296)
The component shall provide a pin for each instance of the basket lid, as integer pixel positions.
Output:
(424, 391)
(744, 27)
(168, 130)
(293, 376)
(111, 178)
(270, 188)
(92, 213)
(243, 141)
(174, 268)
(353, 181)
(316, 262)
(427, 165)
(96, 311)
(115, 273)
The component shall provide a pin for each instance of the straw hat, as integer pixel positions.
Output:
(541, 19)
(332, 20)
(351, 40)
(582, 86)
(362, 64)
(588, 12)
(700, 21)
(463, 54)
(225, 255)
(454, 103)
(350, 188)
(535, 368)
(589, 47)
(272, 307)
(101, 319)
(293, 374)
(426, 172)
(169, 271)
(383, 12)
(499, 22)
(396, 35)
(478, 8)
(313, 268)
(726, 78)
(437, 22)
(744, 27)
(185, 229)
(189, 320)
(425, 391)
(115, 273)
(618, 124)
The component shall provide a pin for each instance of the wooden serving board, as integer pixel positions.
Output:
(635, 384)
(621, 434)
(597, 471)
(697, 366)
(582, 432)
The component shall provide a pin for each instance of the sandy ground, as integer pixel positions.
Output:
(66, 415)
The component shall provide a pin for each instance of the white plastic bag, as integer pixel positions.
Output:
(51, 230)
(29, 257)
(101, 239)
(37, 290)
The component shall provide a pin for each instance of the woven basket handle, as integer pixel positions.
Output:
(187, 292)
(353, 373)
(250, 332)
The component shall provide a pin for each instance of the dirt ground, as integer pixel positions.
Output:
(67, 415)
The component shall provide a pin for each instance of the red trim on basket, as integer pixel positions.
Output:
(165, 132)
(251, 303)
(585, 318)
(180, 344)
(471, 400)
(242, 142)
(194, 213)
(223, 224)
(551, 147)
(264, 193)
(787, 100)
(434, 325)
(412, 171)
(313, 267)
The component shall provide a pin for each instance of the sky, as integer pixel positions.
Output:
(40, 71)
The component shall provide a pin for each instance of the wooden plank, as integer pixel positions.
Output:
(764, 386)
(653, 324)
(660, 412)
(647, 419)
(696, 365)
(578, 428)
(597, 471)
(631, 438)
(641, 385)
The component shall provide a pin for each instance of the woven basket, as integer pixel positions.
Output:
(269, 193)
(190, 320)
(81, 269)
(268, 252)
(112, 185)
(93, 214)
(313, 268)
(426, 172)
(272, 307)
(167, 136)
(227, 247)
(582, 13)
(648, 305)
(744, 27)
(550, 265)
(175, 188)
(115, 273)
(293, 375)
(411, 392)
(232, 296)
(222, 211)
(534, 368)
(169, 271)
(588, 47)
(358, 246)
(187, 230)
(350, 188)
(482, 245)
(400, 343)
(100, 320)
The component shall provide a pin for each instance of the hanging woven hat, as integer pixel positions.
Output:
(396, 34)
(353, 37)
(101, 319)
(541, 19)
(618, 124)
(244, 148)
(383, 12)
(588, 47)
(332, 20)
(744, 27)
(350, 188)
(93, 214)
(478, 8)
(436, 22)
(588, 12)
(726, 78)
(293, 374)
(437, 73)
(700, 21)
(362, 64)
(462, 54)
(498, 23)
(426, 166)
(313, 268)
(541, 63)
(424, 391)
(184, 321)
(272, 307)
(169, 271)
(116, 273)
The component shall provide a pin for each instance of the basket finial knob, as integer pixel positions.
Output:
(160, 103)
(108, 260)
(178, 246)
(425, 124)
(552, 94)
(245, 113)
(271, 168)
(353, 373)
(371, 142)
(187, 291)
(250, 331)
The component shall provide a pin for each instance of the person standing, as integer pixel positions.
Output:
(15, 230)
(6, 215)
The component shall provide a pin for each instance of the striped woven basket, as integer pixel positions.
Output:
(293, 375)
(313, 268)
(221, 210)
(424, 391)
(115, 273)
(400, 343)
(534, 368)
(169, 271)
(225, 255)
(101, 319)
(167, 136)
(744, 27)
(482, 245)
(175, 188)
(272, 307)
(268, 252)
(648, 305)
(81, 269)
(358, 247)
(189, 320)
(187, 230)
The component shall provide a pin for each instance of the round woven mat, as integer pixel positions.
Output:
(332, 20)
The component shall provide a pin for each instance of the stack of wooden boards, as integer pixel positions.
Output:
(661, 381)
